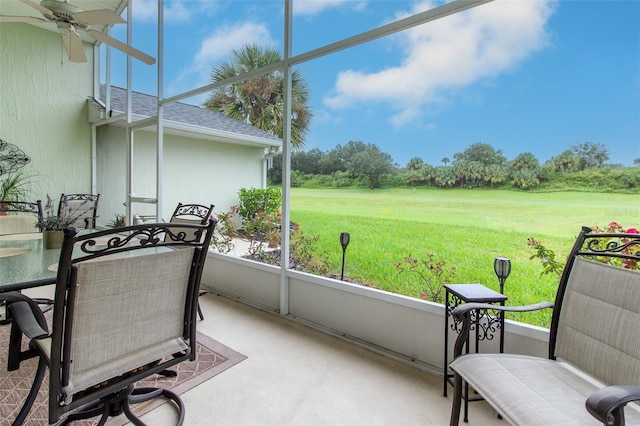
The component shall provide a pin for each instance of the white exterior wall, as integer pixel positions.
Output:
(195, 171)
(404, 328)
(43, 108)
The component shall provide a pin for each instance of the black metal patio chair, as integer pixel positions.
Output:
(19, 217)
(193, 213)
(124, 309)
(84, 207)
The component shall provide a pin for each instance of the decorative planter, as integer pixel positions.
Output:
(52, 239)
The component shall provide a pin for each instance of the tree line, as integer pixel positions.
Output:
(480, 165)
(259, 101)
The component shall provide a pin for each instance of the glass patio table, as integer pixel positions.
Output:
(25, 263)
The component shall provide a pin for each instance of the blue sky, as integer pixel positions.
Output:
(523, 76)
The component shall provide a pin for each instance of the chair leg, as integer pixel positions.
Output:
(33, 393)
(146, 394)
(120, 403)
(457, 400)
(86, 412)
(106, 407)
(15, 347)
(200, 312)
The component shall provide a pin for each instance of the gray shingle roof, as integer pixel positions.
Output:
(145, 105)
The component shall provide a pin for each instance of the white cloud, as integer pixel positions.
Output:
(216, 47)
(447, 54)
(145, 10)
(175, 11)
(227, 38)
(313, 7)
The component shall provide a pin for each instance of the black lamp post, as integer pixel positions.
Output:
(344, 242)
(502, 268)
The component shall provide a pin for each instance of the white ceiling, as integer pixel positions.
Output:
(18, 8)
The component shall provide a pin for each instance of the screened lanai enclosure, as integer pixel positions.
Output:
(117, 119)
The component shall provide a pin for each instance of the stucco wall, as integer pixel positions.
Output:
(195, 171)
(43, 108)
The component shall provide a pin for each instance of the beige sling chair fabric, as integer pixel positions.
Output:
(600, 322)
(18, 224)
(126, 314)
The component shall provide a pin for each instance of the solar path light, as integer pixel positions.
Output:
(344, 242)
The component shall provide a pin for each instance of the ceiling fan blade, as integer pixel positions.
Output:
(99, 17)
(73, 46)
(122, 47)
(38, 7)
(25, 19)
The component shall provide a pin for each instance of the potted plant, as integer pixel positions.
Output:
(52, 224)
(15, 187)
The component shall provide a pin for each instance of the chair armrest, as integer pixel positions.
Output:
(463, 310)
(463, 313)
(27, 315)
(22, 316)
(607, 404)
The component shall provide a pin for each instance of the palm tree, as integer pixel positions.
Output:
(260, 100)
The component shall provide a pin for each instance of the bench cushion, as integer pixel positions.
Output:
(533, 391)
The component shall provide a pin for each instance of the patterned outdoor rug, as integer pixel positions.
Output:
(212, 358)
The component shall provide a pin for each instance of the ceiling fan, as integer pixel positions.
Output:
(69, 19)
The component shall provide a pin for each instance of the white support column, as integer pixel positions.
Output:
(94, 161)
(286, 163)
(160, 114)
(129, 176)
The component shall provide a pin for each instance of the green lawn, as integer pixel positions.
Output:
(465, 228)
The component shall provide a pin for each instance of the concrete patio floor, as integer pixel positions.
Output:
(295, 375)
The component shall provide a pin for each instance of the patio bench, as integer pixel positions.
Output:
(592, 373)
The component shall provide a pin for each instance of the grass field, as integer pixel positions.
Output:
(465, 228)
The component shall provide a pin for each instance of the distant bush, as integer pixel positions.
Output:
(341, 179)
(608, 179)
(394, 180)
(297, 178)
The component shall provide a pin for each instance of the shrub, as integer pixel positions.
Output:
(253, 200)
(302, 255)
(550, 265)
(432, 274)
(225, 231)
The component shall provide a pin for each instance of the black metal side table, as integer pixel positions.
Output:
(484, 323)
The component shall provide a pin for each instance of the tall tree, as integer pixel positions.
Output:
(590, 154)
(566, 162)
(524, 161)
(444, 176)
(307, 162)
(260, 100)
(483, 153)
(365, 160)
(372, 164)
(415, 163)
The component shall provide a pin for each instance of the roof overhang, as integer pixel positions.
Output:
(118, 119)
